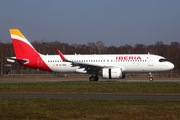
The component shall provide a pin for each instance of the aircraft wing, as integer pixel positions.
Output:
(88, 66)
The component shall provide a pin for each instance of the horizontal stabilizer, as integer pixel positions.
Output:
(15, 60)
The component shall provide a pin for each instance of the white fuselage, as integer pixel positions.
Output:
(128, 62)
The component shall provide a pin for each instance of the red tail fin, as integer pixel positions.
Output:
(25, 53)
(22, 47)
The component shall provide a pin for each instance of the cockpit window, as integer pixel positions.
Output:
(162, 60)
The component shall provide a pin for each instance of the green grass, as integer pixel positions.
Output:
(92, 87)
(89, 109)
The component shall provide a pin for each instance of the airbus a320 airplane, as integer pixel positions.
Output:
(107, 65)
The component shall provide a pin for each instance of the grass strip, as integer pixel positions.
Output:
(91, 87)
(88, 109)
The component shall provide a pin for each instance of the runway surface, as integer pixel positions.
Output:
(34, 80)
(95, 96)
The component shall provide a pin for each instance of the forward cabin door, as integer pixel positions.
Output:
(150, 60)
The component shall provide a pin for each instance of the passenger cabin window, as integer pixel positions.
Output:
(162, 60)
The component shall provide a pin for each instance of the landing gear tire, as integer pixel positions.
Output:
(151, 79)
(96, 78)
(93, 78)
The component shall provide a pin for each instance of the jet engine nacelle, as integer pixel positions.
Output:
(112, 73)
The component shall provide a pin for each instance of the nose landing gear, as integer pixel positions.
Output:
(151, 77)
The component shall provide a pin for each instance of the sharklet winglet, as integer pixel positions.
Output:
(62, 56)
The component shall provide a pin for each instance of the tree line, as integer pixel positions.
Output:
(170, 51)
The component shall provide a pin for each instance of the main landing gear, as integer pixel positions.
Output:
(151, 77)
(93, 78)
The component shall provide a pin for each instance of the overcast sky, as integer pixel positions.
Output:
(115, 22)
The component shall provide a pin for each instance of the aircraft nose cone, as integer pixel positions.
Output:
(171, 66)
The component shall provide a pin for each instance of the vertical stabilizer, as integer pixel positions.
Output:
(22, 47)
(25, 53)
